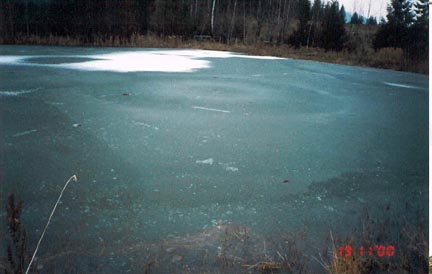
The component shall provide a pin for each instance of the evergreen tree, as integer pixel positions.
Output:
(314, 30)
(299, 37)
(354, 18)
(422, 12)
(342, 13)
(399, 13)
(394, 33)
(317, 10)
(417, 39)
(357, 19)
(371, 21)
(333, 30)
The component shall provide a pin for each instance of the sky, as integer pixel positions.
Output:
(378, 7)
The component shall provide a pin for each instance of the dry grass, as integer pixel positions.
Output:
(72, 178)
(341, 264)
(388, 56)
(409, 240)
(265, 267)
(430, 264)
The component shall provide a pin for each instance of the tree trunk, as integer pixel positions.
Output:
(244, 21)
(279, 12)
(27, 19)
(285, 21)
(232, 21)
(258, 18)
(212, 17)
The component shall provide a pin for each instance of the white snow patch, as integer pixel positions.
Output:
(159, 61)
(212, 109)
(208, 161)
(213, 54)
(24, 133)
(140, 61)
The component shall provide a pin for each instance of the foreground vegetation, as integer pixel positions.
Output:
(228, 247)
(232, 248)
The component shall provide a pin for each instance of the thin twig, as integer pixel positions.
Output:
(73, 177)
(321, 263)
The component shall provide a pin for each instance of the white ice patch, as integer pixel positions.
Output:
(195, 53)
(142, 124)
(211, 109)
(24, 133)
(206, 162)
(400, 85)
(329, 208)
(16, 92)
(158, 61)
(228, 167)
(54, 103)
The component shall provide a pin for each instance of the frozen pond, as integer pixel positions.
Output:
(170, 143)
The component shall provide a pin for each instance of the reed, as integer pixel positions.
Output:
(74, 178)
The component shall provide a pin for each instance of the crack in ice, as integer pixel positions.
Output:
(212, 109)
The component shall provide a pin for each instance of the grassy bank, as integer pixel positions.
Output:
(386, 58)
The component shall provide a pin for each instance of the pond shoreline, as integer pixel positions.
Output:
(386, 58)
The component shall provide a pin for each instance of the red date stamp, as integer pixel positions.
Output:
(377, 250)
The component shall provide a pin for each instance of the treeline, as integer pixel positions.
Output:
(299, 23)
(273, 21)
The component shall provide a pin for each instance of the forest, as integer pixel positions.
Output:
(293, 24)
